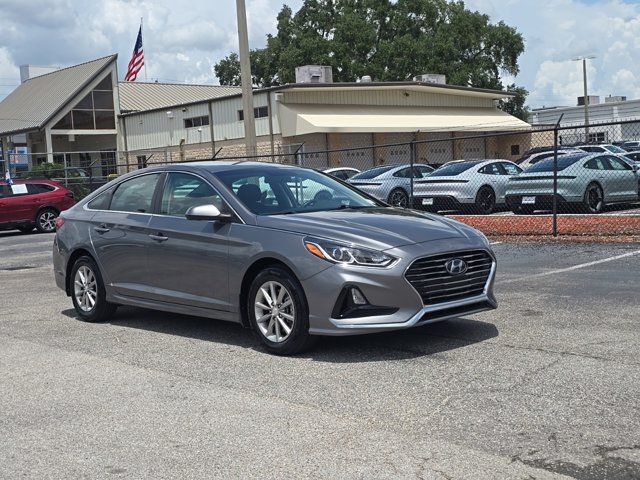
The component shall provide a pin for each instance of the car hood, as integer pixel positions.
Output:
(379, 228)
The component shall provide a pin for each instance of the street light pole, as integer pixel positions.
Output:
(586, 95)
(247, 84)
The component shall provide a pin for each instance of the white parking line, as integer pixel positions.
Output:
(495, 243)
(575, 267)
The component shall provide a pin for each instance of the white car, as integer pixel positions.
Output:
(603, 148)
(342, 173)
(536, 157)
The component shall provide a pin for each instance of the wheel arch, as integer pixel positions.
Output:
(80, 252)
(250, 274)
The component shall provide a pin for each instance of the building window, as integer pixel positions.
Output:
(515, 149)
(596, 137)
(196, 121)
(94, 112)
(258, 112)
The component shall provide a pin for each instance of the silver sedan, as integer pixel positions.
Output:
(390, 183)
(475, 185)
(587, 182)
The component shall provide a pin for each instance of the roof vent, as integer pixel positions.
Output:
(431, 78)
(314, 74)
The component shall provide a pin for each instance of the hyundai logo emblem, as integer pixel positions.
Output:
(456, 266)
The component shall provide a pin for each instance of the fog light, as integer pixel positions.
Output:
(357, 297)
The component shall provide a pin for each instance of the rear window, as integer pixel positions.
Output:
(547, 164)
(452, 169)
(373, 173)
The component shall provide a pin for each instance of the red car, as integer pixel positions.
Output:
(33, 203)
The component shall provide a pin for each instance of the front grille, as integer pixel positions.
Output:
(435, 285)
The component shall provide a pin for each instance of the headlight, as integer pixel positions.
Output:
(347, 255)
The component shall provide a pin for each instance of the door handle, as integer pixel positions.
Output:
(101, 229)
(158, 237)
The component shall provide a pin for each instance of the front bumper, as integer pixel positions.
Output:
(388, 287)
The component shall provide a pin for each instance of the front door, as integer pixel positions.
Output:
(188, 259)
(621, 178)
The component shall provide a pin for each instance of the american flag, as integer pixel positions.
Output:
(137, 60)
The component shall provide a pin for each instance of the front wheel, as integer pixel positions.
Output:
(278, 312)
(46, 220)
(88, 293)
(398, 198)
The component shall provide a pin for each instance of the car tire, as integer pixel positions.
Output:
(26, 229)
(485, 203)
(593, 200)
(46, 220)
(282, 327)
(87, 286)
(398, 198)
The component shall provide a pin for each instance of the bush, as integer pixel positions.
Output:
(45, 170)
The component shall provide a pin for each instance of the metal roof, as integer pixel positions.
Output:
(141, 96)
(35, 101)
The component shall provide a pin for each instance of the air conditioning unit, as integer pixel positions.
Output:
(314, 74)
(431, 78)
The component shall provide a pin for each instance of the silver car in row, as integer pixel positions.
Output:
(477, 186)
(586, 182)
(289, 252)
(391, 183)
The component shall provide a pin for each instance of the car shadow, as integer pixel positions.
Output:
(424, 341)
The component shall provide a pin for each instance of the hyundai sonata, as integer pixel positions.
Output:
(290, 252)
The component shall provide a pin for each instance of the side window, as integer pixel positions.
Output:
(424, 171)
(35, 188)
(617, 164)
(101, 202)
(511, 169)
(341, 174)
(404, 173)
(5, 191)
(491, 169)
(183, 191)
(135, 195)
(19, 189)
(595, 164)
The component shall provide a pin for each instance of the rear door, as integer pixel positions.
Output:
(15, 204)
(120, 233)
(188, 259)
(621, 178)
(506, 170)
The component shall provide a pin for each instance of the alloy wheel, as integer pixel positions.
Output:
(398, 199)
(487, 201)
(47, 221)
(594, 198)
(274, 311)
(85, 288)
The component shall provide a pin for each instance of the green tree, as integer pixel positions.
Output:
(390, 41)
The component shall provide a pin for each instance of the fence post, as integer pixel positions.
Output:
(555, 176)
(412, 159)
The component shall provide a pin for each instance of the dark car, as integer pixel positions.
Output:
(33, 203)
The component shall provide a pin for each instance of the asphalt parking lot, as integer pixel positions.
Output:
(546, 386)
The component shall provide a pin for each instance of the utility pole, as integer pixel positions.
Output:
(247, 84)
(586, 95)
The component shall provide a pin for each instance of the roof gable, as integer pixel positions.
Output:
(38, 99)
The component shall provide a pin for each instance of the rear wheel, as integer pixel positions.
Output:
(46, 220)
(278, 312)
(398, 198)
(88, 293)
(485, 201)
(593, 201)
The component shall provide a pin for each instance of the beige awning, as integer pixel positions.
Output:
(301, 119)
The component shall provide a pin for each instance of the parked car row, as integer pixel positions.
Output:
(586, 182)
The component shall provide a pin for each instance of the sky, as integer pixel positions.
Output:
(183, 39)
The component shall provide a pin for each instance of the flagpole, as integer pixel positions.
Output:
(145, 57)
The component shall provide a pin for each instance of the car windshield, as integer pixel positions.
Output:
(615, 149)
(452, 169)
(546, 165)
(273, 191)
(373, 173)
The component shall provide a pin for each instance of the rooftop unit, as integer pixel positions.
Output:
(314, 74)
(431, 78)
(30, 71)
(615, 98)
(593, 100)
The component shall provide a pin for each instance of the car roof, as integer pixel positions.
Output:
(27, 181)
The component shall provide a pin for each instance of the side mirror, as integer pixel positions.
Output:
(208, 213)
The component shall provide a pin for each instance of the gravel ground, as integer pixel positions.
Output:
(546, 386)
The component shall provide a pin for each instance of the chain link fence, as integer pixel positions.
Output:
(539, 181)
